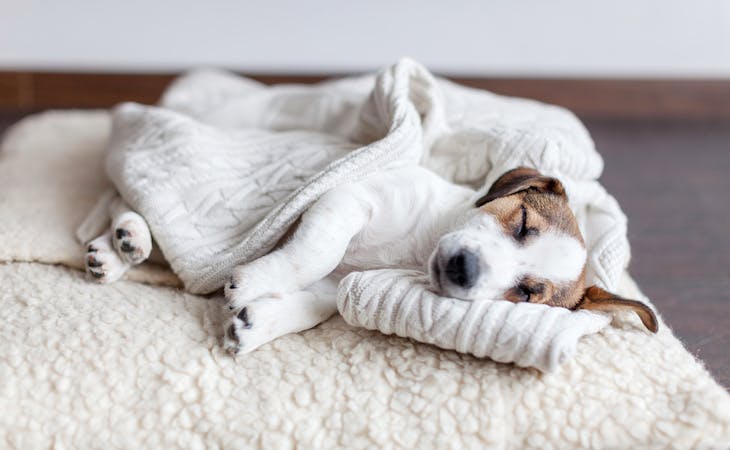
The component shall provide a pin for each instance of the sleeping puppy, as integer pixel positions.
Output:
(520, 242)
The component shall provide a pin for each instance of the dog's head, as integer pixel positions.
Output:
(521, 242)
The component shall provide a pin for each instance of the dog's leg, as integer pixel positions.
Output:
(130, 234)
(266, 319)
(313, 251)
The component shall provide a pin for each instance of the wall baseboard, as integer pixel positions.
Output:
(688, 99)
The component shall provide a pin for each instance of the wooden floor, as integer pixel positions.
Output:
(673, 181)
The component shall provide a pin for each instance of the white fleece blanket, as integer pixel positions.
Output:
(137, 366)
(225, 166)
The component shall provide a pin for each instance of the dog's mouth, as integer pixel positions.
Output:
(435, 275)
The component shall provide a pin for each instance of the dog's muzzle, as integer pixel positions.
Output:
(460, 270)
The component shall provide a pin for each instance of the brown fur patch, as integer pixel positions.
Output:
(544, 212)
(544, 209)
(537, 290)
(599, 299)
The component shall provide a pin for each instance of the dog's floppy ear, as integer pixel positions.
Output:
(599, 299)
(518, 180)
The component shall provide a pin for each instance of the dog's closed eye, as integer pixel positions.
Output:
(525, 292)
(522, 231)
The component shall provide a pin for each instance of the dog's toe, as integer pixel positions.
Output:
(243, 317)
(233, 295)
(238, 337)
(240, 293)
(232, 339)
(92, 262)
(232, 343)
(132, 241)
(97, 274)
(127, 247)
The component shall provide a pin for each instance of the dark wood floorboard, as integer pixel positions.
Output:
(7, 119)
(673, 181)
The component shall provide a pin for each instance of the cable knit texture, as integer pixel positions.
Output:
(399, 302)
(225, 166)
(132, 365)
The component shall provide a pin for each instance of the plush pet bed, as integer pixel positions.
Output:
(131, 365)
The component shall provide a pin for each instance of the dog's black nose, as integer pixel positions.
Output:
(462, 269)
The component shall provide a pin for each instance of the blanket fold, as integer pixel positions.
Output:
(398, 302)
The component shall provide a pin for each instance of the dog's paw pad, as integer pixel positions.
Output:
(233, 341)
(243, 317)
(102, 263)
(132, 241)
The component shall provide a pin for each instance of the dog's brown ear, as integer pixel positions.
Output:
(518, 180)
(599, 299)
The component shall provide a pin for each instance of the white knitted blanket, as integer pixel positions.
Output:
(225, 166)
(399, 302)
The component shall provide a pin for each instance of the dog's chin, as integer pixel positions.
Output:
(455, 295)
(434, 274)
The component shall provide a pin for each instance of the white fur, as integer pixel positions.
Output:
(401, 218)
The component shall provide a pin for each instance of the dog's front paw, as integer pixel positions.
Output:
(252, 281)
(102, 263)
(234, 339)
(132, 239)
(236, 295)
(240, 293)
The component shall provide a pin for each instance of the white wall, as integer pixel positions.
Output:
(630, 38)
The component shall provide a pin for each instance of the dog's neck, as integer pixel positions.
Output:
(407, 219)
(443, 220)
